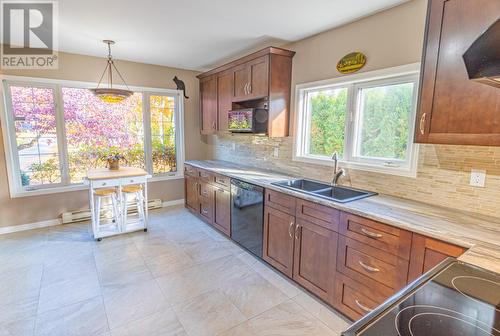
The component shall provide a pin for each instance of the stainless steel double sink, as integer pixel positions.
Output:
(323, 190)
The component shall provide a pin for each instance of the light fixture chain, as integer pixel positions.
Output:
(119, 74)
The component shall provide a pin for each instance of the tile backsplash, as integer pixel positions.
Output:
(442, 177)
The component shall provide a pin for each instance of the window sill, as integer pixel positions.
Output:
(80, 187)
(397, 171)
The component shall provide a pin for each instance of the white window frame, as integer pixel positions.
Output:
(353, 83)
(9, 134)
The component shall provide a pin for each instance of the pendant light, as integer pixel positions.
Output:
(110, 94)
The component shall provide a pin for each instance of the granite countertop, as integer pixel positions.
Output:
(480, 234)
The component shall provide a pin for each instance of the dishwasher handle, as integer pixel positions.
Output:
(247, 186)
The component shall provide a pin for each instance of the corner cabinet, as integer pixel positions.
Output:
(453, 109)
(427, 253)
(261, 79)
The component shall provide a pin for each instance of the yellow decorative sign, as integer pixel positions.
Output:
(351, 62)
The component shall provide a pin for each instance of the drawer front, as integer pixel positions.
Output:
(355, 299)
(318, 214)
(381, 236)
(207, 210)
(206, 176)
(133, 180)
(280, 201)
(360, 261)
(222, 181)
(190, 170)
(105, 183)
(205, 191)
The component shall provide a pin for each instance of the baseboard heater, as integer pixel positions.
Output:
(84, 215)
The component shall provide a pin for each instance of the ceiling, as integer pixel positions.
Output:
(198, 34)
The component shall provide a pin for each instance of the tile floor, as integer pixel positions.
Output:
(180, 278)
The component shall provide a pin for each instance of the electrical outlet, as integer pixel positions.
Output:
(276, 152)
(477, 178)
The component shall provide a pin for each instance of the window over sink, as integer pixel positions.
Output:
(55, 131)
(367, 118)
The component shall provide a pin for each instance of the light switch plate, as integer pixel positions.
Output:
(477, 178)
(276, 152)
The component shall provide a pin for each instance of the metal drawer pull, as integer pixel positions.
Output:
(422, 124)
(205, 194)
(205, 211)
(290, 230)
(362, 306)
(297, 227)
(221, 190)
(371, 234)
(368, 268)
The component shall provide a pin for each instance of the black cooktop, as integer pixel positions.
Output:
(455, 299)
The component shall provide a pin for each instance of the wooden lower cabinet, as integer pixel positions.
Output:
(427, 253)
(315, 253)
(355, 299)
(222, 210)
(278, 240)
(354, 269)
(367, 264)
(191, 189)
(208, 196)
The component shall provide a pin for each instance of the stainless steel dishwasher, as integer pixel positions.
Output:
(247, 215)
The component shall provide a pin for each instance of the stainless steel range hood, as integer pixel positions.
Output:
(482, 59)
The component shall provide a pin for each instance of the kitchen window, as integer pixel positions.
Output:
(55, 131)
(367, 118)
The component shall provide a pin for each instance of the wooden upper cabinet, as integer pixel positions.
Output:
(241, 80)
(258, 70)
(251, 79)
(256, 80)
(224, 99)
(453, 109)
(208, 105)
(427, 253)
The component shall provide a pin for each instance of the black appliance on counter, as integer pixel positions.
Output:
(247, 215)
(454, 299)
(248, 120)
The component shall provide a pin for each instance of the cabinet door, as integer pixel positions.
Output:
(427, 253)
(208, 102)
(224, 99)
(222, 210)
(452, 108)
(315, 259)
(259, 77)
(241, 81)
(191, 190)
(278, 240)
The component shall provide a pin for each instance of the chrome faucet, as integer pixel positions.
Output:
(337, 173)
